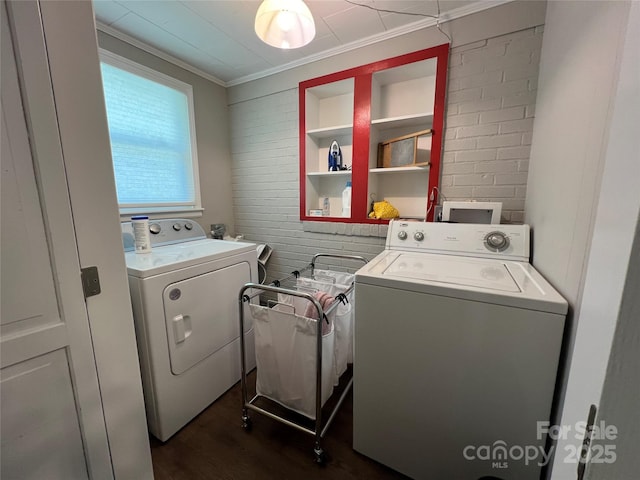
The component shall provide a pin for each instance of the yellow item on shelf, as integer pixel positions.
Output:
(384, 210)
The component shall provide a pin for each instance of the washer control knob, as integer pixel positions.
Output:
(418, 236)
(402, 235)
(496, 241)
(177, 227)
(188, 226)
(154, 228)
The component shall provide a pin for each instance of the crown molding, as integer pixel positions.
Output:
(156, 52)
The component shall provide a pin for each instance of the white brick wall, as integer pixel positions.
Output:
(490, 105)
(265, 173)
(489, 119)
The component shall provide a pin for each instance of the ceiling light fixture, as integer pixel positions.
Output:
(285, 23)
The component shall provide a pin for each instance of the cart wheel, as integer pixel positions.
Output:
(246, 423)
(320, 456)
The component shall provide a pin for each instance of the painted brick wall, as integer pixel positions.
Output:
(490, 108)
(265, 174)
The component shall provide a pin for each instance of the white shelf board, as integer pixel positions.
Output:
(403, 121)
(327, 132)
(329, 174)
(399, 169)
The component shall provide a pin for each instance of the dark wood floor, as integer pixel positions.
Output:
(215, 446)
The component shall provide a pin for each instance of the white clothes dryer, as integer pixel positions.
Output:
(457, 344)
(185, 307)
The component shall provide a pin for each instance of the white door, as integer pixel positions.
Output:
(51, 410)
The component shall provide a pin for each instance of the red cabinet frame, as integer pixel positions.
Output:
(362, 76)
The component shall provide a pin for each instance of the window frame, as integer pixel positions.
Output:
(194, 209)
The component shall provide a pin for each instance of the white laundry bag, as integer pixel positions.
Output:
(341, 278)
(286, 358)
(342, 316)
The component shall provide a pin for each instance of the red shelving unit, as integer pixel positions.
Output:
(360, 108)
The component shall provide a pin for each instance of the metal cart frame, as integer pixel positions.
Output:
(320, 429)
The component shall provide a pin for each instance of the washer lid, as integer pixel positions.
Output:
(487, 280)
(487, 274)
(172, 257)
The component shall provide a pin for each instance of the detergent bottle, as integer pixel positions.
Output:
(346, 200)
(142, 238)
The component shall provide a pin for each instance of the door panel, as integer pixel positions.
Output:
(33, 420)
(28, 292)
(201, 314)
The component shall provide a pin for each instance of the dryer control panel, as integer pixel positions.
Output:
(509, 242)
(166, 231)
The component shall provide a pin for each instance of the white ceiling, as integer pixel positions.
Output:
(216, 37)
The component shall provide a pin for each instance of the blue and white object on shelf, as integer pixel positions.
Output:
(335, 157)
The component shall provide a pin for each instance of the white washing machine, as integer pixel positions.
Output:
(185, 306)
(457, 342)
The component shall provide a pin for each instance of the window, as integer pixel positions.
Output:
(152, 133)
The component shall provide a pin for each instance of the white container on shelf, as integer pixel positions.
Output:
(346, 200)
(325, 206)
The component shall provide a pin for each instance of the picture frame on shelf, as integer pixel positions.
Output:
(412, 150)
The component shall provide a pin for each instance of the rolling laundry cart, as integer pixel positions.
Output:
(304, 342)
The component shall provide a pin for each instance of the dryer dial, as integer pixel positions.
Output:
(402, 235)
(155, 228)
(418, 236)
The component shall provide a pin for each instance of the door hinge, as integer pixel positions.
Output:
(90, 281)
(586, 443)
